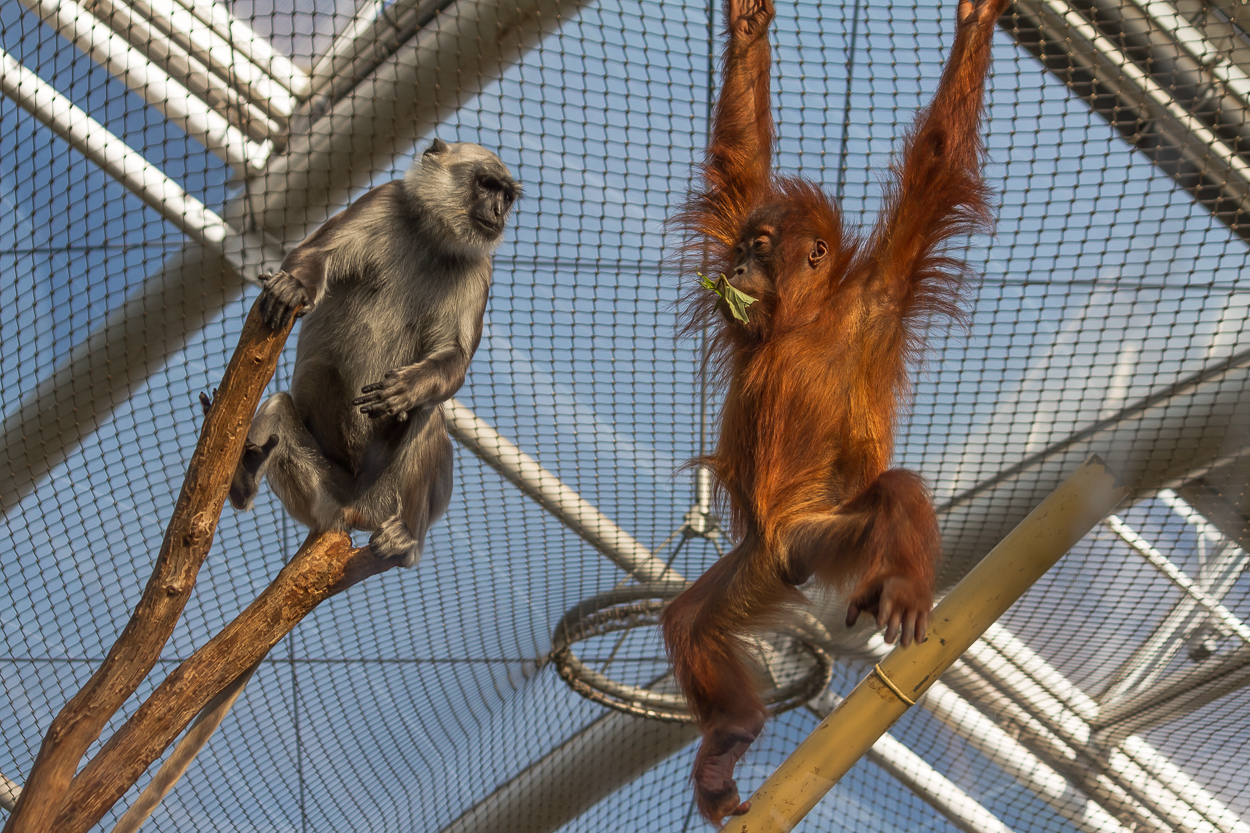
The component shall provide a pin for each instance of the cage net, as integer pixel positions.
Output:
(1111, 316)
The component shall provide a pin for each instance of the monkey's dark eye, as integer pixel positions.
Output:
(496, 186)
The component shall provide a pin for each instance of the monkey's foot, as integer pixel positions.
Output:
(247, 475)
(899, 604)
(716, 806)
(393, 540)
(715, 790)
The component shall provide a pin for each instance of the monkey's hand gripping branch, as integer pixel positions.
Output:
(283, 298)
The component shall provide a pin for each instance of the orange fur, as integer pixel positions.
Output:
(816, 378)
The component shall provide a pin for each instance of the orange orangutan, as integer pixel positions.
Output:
(815, 377)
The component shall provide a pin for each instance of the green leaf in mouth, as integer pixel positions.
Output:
(735, 299)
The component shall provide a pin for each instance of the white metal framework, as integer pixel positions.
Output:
(301, 143)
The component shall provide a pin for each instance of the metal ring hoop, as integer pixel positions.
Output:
(626, 608)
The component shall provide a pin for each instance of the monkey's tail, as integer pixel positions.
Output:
(704, 630)
(206, 723)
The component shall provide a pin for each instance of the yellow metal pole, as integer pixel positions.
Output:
(901, 678)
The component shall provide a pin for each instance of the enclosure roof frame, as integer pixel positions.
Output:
(362, 87)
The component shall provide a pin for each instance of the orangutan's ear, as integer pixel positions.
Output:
(818, 253)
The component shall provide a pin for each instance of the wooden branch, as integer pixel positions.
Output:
(179, 761)
(325, 565)
(187, 541)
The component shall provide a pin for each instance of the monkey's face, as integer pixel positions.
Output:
(783, 261)
(757, 261)
(754, 258)
(491, 195)
(468, 190)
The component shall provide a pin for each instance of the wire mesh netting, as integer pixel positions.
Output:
(1111, 317)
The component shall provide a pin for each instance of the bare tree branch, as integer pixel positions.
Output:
(187, 541)
(175, 766)
(326, 564)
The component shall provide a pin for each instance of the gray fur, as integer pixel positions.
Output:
(394, 288)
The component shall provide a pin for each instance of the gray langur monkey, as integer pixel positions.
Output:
(392, 290)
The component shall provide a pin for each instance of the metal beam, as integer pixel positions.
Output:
(939, 792)
(1174, 574)
(449, 62)
(238, 90)
(1222, 496)
(93, 140)
(588, 767)
(1164, 439)
(375, 32)
(135, 340)
(1067, 715)
(1052, 738)
(1015, 759)
(570, 508)
(1117, 56)
(1137, 677)
(242, 39)
(151, 83)
(9, 791)
(1003, 710)
(1180, 695)
(225, 55)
